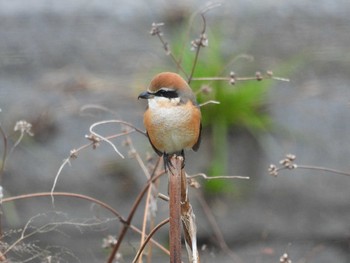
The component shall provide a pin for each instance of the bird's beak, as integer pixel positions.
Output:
(145, 95)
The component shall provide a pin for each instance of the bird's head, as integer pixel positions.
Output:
(170, 86)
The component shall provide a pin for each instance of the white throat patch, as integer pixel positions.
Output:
(162, 102)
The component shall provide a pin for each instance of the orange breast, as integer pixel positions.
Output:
(172, 129)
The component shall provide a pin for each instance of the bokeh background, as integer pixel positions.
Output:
(56, 57)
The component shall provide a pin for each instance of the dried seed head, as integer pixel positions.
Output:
(285, 258)
(24, 127)
(258, 76)
(155, 30)
(290, 156)
(202, 41)
(273, 170)
(206, 89)
(193, 183)
(94, 139)
(167, 48)
(73, 154)
(232, 78)
(288, 162)
(109, 242)
(194, 45)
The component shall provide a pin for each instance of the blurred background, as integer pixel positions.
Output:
(61, 62)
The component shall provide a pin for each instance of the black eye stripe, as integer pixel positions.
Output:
(167, 93)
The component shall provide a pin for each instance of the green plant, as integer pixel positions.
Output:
(241, 105)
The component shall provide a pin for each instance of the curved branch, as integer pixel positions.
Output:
(84, 197)
(131, 215)
(154, 230)
(66, 194)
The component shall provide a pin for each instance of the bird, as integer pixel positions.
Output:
(172, 118)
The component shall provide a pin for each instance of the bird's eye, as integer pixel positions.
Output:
(167, 93)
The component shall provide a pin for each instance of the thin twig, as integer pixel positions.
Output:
(202, 41)
(325, 169)
(211, 78)
(66, 194)
(209, 102)
(189, 226)
(156, 31)
(23, 127)
(210, 6)
(137, 156)
(65, 161)
(84, 197)
(147, 205)
(163, 197)
(18, 141)
(288, 163)
(154, 230)
(2, 169)
(217, 231)
(131, 216)
(217, 177)
(73, 155)
(96, 107)
(4, 154)
(127, 124)
(23, 236)
(94, 142)
(104, 138)
(318, 168)
(262, 77)
(49, 227)
(198, 44)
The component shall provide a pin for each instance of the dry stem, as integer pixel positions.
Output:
(174, 174)
(288, 163)
(131, 216)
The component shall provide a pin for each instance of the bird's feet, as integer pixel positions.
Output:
(168, 165)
